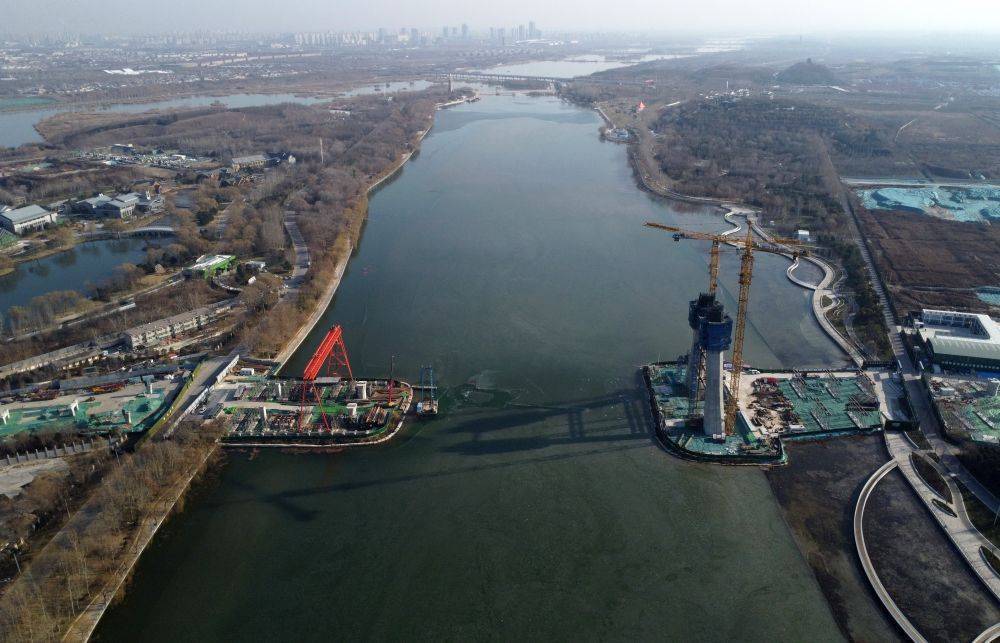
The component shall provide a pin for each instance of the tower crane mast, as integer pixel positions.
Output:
(747, 246)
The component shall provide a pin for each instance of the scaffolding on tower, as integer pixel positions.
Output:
(331, 354)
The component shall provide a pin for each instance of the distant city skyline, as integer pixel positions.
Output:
(716, 16)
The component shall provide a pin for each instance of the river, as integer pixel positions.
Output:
(75, 269)
(509, 254)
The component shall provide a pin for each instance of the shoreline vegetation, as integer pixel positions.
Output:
(778, 157)
(642, 175)
(76, 609)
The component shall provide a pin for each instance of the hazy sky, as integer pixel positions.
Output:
(733, 16)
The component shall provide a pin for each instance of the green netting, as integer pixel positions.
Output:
(831, 404)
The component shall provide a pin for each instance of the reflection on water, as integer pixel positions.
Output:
(510, 255)
(74, 269)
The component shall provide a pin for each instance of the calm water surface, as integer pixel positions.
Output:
(76, 269)
(510, 255)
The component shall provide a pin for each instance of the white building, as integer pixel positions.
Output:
(27, 219)
(960, 340)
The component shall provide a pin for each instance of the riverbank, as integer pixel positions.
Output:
(497, 263)
(331, 290)
(85, 624)
(729, 209)
(83, 627)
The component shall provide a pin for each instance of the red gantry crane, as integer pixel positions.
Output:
(331, 353)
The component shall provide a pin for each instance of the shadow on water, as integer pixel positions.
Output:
(625, 424)
(283, 500)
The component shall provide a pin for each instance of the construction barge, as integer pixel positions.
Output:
(334, 409)
(270, 412)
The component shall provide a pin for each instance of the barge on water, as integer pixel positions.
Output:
(332, 411)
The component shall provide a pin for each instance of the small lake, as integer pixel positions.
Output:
(18, 127)
(87, 263)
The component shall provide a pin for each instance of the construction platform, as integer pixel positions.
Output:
(968, 405)
(802, 404)
(668, 394)
(129, 408)
(261, 410)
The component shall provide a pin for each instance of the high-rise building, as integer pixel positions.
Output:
(532, 32)
(414, 37)
(521, 32)
(465, 31)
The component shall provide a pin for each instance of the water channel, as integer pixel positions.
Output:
(510, 254)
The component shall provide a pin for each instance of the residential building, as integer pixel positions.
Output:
(157, 332)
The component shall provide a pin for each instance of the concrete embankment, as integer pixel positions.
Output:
(83, 627)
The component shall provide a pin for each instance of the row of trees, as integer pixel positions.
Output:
(42, 311)
(60, 580)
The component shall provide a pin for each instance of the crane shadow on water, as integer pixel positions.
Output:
(622, 423)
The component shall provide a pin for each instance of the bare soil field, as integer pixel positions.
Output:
(929, 262)
(817, 492)
(920, 568)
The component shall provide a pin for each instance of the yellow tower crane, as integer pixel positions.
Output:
(747, 245)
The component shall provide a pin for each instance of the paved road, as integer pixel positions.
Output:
(915, 389)
(959, 528)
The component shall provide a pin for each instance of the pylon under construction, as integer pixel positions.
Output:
(713, 330)
(331, 354)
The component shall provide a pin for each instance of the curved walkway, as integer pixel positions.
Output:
(989, 634)
(866, 563)
(820, 290)
(959, 528)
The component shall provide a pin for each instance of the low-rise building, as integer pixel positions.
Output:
(252, 162)
(157, 332)
(122, 206)
(960, 340)
(149, 202)
(27, 219)
(210, 265)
